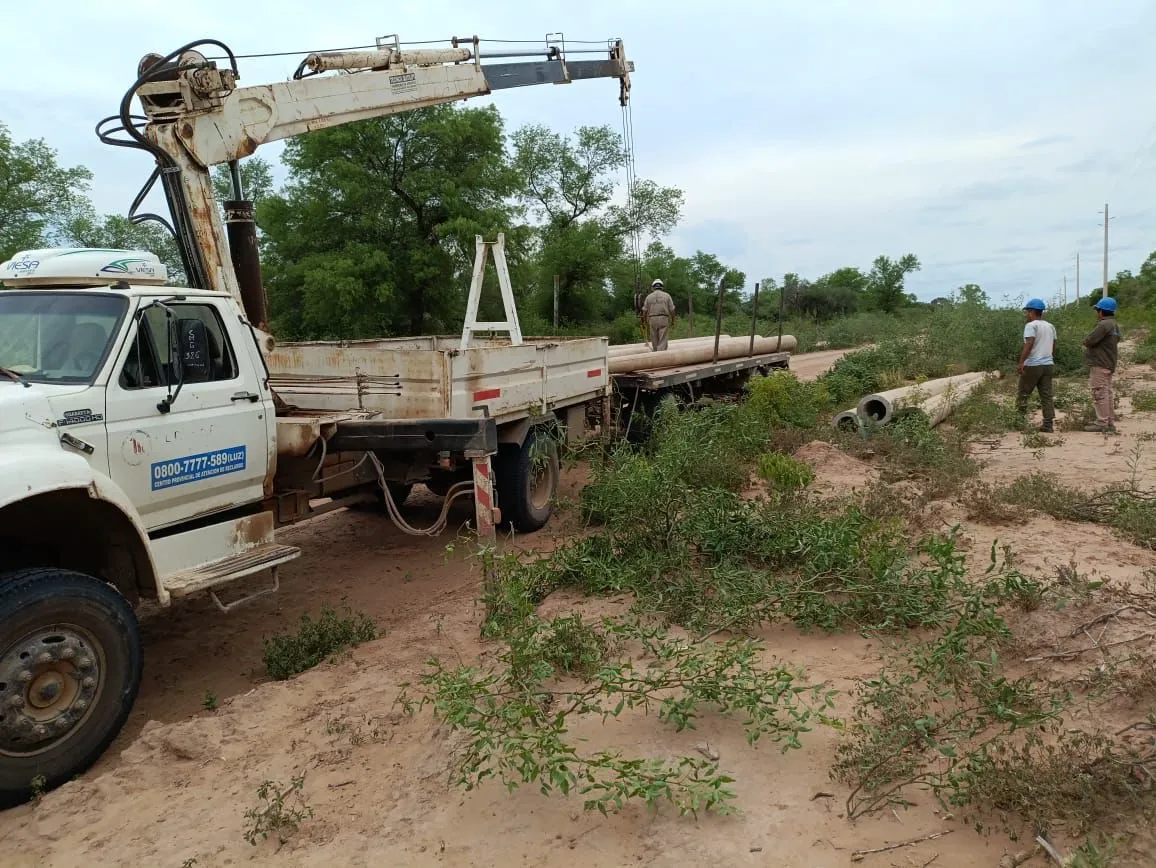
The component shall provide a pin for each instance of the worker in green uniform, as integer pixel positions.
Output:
(1101, 353)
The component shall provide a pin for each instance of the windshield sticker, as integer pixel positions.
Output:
(194, 468)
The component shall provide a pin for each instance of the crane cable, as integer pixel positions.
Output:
(631, 181)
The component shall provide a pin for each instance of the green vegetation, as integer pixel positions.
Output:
(315, 640)
(784, 473)
(280, 811)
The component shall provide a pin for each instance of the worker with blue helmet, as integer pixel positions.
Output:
(1101, 354)
(1037, 363)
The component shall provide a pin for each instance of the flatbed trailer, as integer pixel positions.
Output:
(637, 394)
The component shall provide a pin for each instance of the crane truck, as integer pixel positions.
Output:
(153, 438)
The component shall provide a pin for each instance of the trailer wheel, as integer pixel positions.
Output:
(527, 481)
(70, 668)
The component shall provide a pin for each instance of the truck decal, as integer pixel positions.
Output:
(79, 417)
(194, 468)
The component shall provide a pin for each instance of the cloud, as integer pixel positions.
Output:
(806, 136)
(1047, 141)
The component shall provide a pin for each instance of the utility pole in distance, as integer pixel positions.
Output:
(1077, 277)
(1106, 219)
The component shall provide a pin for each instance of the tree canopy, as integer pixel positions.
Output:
(373, 231)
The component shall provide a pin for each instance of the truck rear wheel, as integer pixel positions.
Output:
(527, 481)
(70, 669)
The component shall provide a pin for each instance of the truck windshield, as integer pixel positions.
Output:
(57, 337)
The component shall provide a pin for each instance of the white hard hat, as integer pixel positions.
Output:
(657, 283)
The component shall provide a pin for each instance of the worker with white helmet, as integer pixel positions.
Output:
(1100, 353)
(658, 315)
(1037, 363)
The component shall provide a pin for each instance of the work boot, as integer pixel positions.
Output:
(1100, 429)
(1047, 428)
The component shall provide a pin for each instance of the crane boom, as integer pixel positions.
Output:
(196, 117)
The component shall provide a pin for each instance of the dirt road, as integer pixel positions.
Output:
(808, 366)
(174, 789)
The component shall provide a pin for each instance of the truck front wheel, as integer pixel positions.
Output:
(70, 668)
(527, 480)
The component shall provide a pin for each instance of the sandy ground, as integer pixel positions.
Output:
(174, 788)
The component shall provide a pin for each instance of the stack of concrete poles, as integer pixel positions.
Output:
(635, 349)
(934, 399)
(939, 407)
(696, 353)
(880, 407)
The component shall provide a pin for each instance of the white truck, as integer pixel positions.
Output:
(153, 438)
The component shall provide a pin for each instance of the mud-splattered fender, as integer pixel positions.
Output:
(29, 469)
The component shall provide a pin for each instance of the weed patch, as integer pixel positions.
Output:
(784, 473)
(516, 718)
(1145, 402)
(1129, 510)
(279, 812)
(915, 450)
(985, 412)
(315, 640)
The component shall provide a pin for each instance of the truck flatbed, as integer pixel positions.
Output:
(664, 378)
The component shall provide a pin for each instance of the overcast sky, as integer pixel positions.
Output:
(982, 136)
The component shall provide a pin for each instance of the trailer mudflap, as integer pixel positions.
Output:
(471, 436)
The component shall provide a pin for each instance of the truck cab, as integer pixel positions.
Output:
(138, 441)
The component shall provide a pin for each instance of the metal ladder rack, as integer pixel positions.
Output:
(510, 325)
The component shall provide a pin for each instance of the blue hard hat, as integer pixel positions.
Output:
(1106, 304)
(1035, 304)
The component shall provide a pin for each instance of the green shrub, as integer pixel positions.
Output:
(293, 653)
(1144, 401)
(782, 401)
(786, 474)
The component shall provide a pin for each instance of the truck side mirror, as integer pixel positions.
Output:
(188, 354)
(192, 348)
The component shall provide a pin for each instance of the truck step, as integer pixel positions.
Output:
(262, 557)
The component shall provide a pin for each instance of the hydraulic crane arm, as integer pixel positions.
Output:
(196, 117)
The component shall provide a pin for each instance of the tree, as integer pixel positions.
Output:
(374, 232)
(87, 229)
(885, 282)
(38, 196)
(256, 180)
(970, 295)
(568, 184)
(708, 273)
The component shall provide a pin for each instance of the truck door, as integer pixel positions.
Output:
(210, 451)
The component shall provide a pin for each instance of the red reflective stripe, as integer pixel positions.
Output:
(487, 394)
(594, 372)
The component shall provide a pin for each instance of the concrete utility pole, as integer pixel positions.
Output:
(1105, 292)
(1077, 277)
(1065, 289)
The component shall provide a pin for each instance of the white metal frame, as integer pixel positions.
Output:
(511, 324)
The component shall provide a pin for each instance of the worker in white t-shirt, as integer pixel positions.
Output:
(1037, 363)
